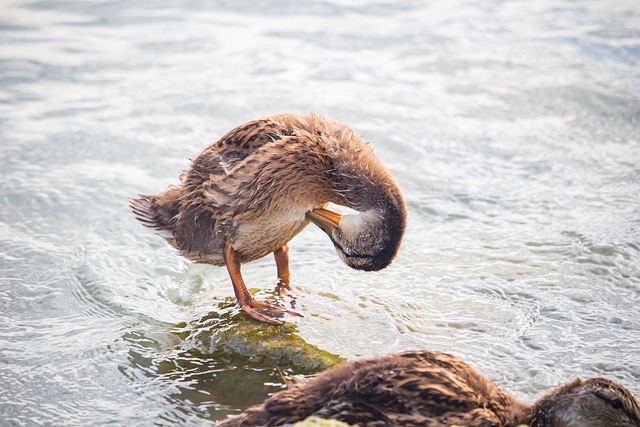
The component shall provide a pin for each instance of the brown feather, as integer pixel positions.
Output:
(427, 388)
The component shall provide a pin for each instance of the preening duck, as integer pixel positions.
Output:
(252, 191)
(432, 389)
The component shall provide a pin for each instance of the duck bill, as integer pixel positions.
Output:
(325, 219)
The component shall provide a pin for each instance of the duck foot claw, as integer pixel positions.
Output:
(283, 293)
(268, 313)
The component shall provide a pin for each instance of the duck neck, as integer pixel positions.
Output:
(381, 207)
(373, 196)
(555, 408)
(362, 183)
(543, 415)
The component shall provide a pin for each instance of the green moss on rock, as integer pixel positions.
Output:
(229, 334)
(230, 359)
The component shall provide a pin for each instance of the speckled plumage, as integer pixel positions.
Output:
(432, 389)
(254, 188)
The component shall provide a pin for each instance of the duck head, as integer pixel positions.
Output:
(597, 402)
(367, 240)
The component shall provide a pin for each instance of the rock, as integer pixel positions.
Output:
(229, 334)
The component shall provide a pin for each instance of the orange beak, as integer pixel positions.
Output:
(325, 219)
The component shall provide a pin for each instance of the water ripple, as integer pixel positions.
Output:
(511, 128)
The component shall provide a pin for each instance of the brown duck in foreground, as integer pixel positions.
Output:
(432, 389)
(252, 191)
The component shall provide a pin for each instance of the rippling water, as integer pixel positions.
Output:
(512, 128)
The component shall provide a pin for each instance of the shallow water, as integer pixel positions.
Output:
(512, 129)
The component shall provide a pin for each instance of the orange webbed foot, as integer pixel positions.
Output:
(258, 310)
(266, 312)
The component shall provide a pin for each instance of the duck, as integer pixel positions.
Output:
(249, 193)
(434, 389)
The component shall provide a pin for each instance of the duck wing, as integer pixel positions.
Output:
(219, 175)
(261, 166)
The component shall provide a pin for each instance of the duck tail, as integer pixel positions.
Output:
(157, 212)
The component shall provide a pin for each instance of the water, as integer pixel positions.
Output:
(512, 129)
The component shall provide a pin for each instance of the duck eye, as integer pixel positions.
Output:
(616, 403)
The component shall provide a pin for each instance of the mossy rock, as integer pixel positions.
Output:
(230, 359)
(229, 334)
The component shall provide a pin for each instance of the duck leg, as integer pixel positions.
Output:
(282, 263)
(249, 305)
